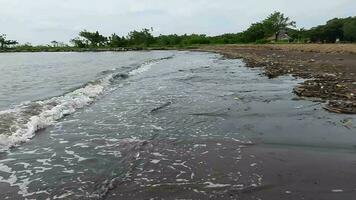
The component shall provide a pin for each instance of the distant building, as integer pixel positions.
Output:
(281, 35)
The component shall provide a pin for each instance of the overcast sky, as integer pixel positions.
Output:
(41, 21)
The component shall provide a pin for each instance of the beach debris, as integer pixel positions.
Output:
(237, 98)
(347, 123)
(340, 93)
(329, 74)
(161, 107)
(347, 107)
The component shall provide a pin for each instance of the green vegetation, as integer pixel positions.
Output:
(343, 30)
(269, 28)
(4, 43)
(89, 39)
(276, 28)
(141, 38)
(349, 30)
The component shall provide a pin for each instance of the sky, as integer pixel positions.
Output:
(42, 21)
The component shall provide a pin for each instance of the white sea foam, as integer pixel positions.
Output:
(146, 66)
(50, 110)
(141, 69)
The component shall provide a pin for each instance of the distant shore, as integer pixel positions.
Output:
(311, 48)
(67, 49)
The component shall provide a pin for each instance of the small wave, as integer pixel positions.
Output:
(147, 65)
(20, 124)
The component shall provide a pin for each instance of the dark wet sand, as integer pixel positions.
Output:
(293, 173)
(228, 169)
(332, 69)
(239, 171)
(199, 169)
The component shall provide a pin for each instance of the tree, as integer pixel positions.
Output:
(255, 32)
(78, 42)
(141, 38)
(169, 40)
(349, 29)
(333, 30)
(270, 26)
(4, 42)
(195, 39)
(117, 41)
(276, 22)
(94, 39)
(337, 28)
(54, 43)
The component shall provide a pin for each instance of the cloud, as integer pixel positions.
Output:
(42, 21)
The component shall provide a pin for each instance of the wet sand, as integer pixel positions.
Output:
(200, 169)
(231, 169)
(294, 173)
(331, 68)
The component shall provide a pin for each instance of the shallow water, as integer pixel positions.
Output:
(107, 115)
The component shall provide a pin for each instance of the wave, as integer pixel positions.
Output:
(147, 65)
(19, 124)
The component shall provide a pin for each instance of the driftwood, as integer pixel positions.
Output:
(161, 107)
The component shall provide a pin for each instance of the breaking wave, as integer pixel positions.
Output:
(19, 124)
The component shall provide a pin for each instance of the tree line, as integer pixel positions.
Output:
(265, 31)
(343, 29)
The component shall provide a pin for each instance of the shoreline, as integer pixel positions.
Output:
(74, 49)
(330, 71)
(70, 49)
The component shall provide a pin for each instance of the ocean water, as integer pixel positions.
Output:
(74, 125)
(38, 89)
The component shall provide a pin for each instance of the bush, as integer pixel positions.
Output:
(262, 41)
